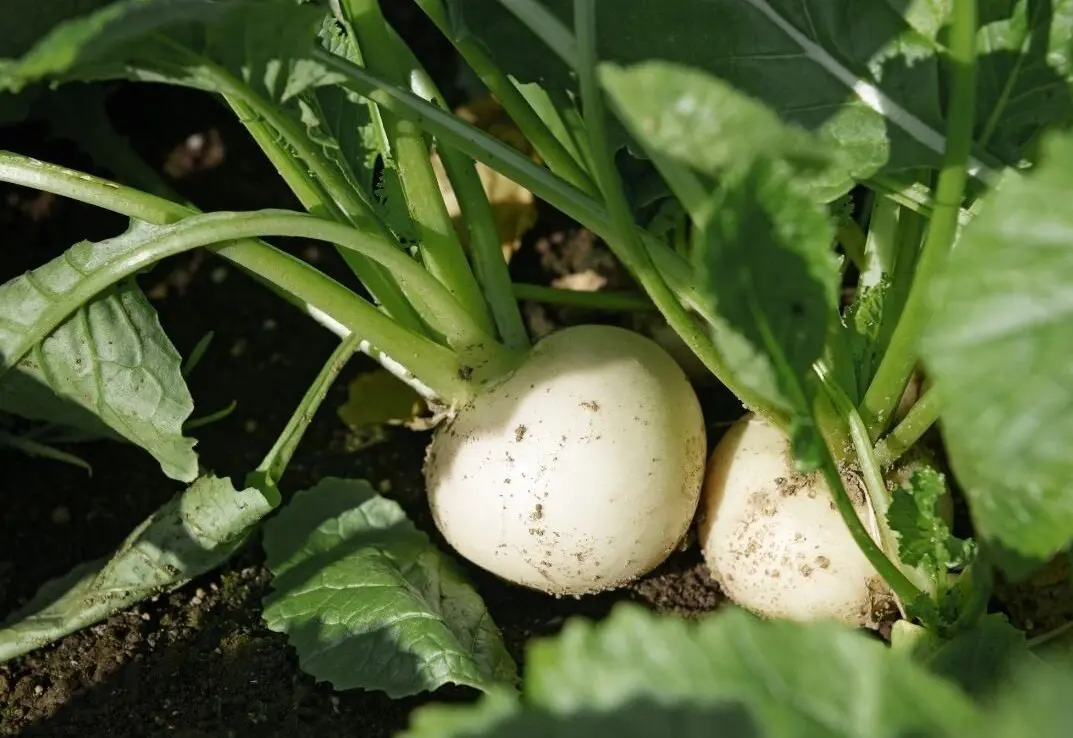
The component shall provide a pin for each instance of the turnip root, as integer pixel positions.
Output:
(578, 472)
(773, 539)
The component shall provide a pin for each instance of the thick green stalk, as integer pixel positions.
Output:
(268, 473)
(299, 283)
(914, 425)
(901, 357)
(609, 301)
(628, 247)
(878, 495)
(903, 588)
(555, 191)
(485, 247)
(317, 201)
(441, 251)
(543, 184)
(557, 157)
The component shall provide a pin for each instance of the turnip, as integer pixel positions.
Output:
(579, 471)
(773, 539)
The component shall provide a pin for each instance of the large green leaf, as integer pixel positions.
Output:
(998, 348)
(865, 77)
(983, 659)
(95, 360)
(703, 122)
(194, 533)
(260, 42)
(367, 601)
(764, 258)
(28, 22)
(804, 60)
(1024, 71)
(637, 674)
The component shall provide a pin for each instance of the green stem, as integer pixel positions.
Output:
(302, 285)
(1044, 638)
(551, 150)
(450, 318)
(254, 111)
(485, 246)
(609, 301)
(853, 239)
(440, 249)
(628, 247)
(40, 450)
(543, 184)
(101, 140)
(914, 425)
(269, 472)
(306, 187)
(878, 494)
(900, 359)
(559, 194)
(547, 27)
(903, 588)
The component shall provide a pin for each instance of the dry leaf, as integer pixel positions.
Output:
(512, 205)
(378, 398)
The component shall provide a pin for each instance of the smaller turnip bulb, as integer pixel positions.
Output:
(578, 472)
(775, 542)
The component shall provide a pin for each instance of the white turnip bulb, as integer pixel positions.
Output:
(773, 539)
(578, 472)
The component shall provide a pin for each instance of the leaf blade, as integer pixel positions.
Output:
(194, 533)
(997, 349)
(367, 601)
(95, 361)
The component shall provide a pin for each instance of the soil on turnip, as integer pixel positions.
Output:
(200, 661)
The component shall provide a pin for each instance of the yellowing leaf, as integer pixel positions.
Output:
(379, 398)
(512, 204)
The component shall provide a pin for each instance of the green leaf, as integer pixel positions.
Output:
(1034, 702)
(863, 327)
(983, 659)
(915, 515)
(997, 348)
(349, 129)
(703, 122)
(763, 255)
(368, 602)
(37, 19)
(803, 60)
(260, 42)
(97, 361)
(194, 533)
(1024, 72)
(637, 673)
(639, 719)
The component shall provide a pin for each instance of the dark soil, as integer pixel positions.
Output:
(199, 661)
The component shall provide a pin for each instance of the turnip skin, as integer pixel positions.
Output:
(579, 472)
(773, 539)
